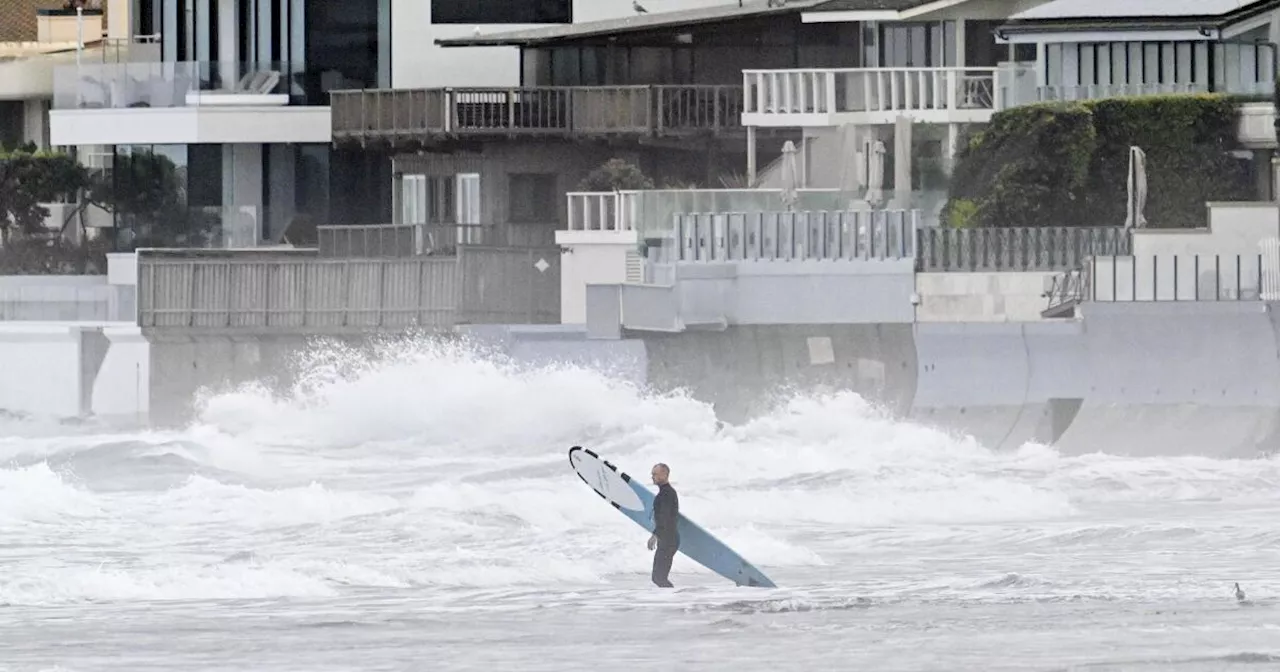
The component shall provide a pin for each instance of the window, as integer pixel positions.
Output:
(501, 11)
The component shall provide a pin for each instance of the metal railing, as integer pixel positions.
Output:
(792, 236)
(648, 210)
(1067, 291)
(299, 292)
(846, 90)
(407, 240)
(552, 110)
(1018, 248)
(1181, 277)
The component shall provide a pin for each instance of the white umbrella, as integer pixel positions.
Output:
(853, 163)
(790, 176)
(875, 174)
(1137, 189)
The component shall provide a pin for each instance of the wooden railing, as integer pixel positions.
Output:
(392, 114)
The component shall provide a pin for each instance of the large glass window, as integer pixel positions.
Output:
(916, 45)
(342, 45)
(479, 12)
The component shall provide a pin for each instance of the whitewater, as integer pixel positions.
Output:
(412, 508)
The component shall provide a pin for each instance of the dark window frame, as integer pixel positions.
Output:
(488, 12)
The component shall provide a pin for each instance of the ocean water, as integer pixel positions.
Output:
(416, 511)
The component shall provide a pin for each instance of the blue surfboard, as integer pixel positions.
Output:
(636, 502)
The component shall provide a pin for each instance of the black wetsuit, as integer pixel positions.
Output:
(666, 507)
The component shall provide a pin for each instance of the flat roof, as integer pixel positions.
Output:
(870, 5)
(1132, 9)
(640, 23)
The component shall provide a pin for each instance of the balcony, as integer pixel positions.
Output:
(426, 115)
(182, 103)
(868, 96)
(650, 211)
(831, 97)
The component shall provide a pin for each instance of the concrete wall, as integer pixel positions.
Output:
(982, 297)
(765, 292)
(74, 369)
(64, 297)
(1137, 379)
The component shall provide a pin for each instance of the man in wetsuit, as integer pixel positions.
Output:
(666, 508)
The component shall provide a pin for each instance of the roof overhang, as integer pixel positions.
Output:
(638, 24)
(1137, 28)
(851, 16)
(1106, 32)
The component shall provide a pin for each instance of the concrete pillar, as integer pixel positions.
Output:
(228, 42)
(242, 180)
(949, 152)
(902, 162)
(35, 122)
(282, 180)
(1275, 177)
(751, 156)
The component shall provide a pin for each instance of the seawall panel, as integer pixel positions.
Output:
(72, 369)
(40, 368)
(121, 388)
(184, 367)
(995, 381)
(743, 369)
(1175, 378)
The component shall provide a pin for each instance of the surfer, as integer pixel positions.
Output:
(666, 510)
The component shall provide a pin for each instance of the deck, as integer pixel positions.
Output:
(398, 116)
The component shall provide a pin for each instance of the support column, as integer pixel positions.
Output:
(751, 156)
(902, 162)
(242, 180)
(282, 181)
(228, 42)
(1275, 177)
(949, 153)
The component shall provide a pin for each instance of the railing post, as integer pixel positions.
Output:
(953, 88)
(829, 99)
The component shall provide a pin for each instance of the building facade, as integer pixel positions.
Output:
(231, 105)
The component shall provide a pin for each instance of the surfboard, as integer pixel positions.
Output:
(636, 502)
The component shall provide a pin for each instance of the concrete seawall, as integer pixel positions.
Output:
(67, 370)
(1169, 378)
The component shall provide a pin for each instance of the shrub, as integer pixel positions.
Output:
(615, 175)
(1065, 164)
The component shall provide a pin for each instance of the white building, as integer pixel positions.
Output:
(929, 66)
(236, 95)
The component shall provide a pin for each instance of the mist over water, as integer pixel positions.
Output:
(425, 481)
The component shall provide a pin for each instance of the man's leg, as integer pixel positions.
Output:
(662, 558)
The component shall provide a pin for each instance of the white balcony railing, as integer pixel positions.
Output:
(949, 94)
(651, 210)
(853, 90)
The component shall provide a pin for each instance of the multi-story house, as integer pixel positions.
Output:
(236, 97)
(869, 90)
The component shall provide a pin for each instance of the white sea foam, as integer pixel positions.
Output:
(428, 467)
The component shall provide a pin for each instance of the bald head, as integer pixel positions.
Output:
(660, 473)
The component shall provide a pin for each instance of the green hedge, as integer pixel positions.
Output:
(1065, 164)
